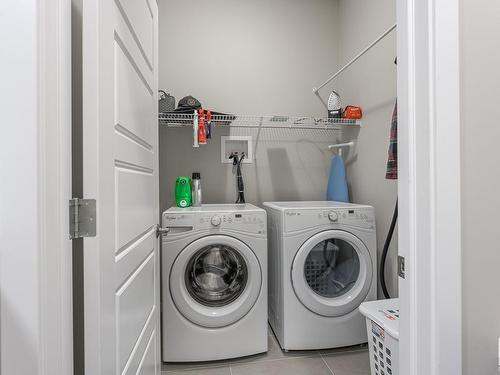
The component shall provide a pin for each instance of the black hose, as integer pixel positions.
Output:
(386, 249)
(239, 176)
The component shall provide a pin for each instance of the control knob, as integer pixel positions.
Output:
(215, 221)
(333, 216)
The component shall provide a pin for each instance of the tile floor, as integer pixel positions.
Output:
(345, 361)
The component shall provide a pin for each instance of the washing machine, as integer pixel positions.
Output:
(214, 282)
(322, 266)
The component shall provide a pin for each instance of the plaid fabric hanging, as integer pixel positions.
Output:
(392, 160)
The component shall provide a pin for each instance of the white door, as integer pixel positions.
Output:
(120, 170)
(332, 273)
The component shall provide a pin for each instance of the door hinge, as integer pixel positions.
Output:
(82, 218)
(401, 266)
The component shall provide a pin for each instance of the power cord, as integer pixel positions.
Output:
(239, 177)
(386, 250)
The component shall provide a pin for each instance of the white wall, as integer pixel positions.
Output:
(258, 57)
(19, 234)
(480, 95)
(371, 83)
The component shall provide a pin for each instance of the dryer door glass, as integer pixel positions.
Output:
(216, 275)
(332, 268)
(332, 273)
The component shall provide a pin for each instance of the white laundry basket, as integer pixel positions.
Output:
(382, 324)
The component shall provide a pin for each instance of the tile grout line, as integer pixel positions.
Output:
(344, 351)
(237, 364)
(323, 359)
(243, 363)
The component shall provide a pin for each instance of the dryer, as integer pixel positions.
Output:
(214, 282)
(322, 266)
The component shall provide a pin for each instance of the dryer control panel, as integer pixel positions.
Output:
(363, 217)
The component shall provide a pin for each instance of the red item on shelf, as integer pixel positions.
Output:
(202, 133)
(352, 112)
(209, 125)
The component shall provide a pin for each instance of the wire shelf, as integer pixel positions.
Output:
(179, 120)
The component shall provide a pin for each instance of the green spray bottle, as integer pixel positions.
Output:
(183, 191)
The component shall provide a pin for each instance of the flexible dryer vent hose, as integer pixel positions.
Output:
(385, 250)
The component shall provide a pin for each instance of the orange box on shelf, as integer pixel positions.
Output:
(352, 112)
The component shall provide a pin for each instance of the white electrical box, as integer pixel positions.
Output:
(236, 143)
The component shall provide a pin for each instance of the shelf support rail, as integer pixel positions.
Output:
(316, 89)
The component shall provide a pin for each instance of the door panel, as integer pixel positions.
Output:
(148, 362)
(120, 170)
(136, 253)
(135, 302)
(139, 16)
(125, 37)
(135, 195)
(141, 357)
(133, 98)
(136, 156)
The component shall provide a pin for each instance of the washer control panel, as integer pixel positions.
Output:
(362, 217)
(250, 222)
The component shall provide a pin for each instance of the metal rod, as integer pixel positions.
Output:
(316, 89)
(340, 145)
(321, 99)
(257, 138)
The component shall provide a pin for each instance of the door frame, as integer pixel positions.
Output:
(429, 186)
(36, 279)
(56, 276)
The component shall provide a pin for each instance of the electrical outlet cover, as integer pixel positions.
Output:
(236, 143)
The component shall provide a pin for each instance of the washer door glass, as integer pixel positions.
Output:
(332, 267)
(332, 273)
(215, 281)
(216, 275)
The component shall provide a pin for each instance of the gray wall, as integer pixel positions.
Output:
(258, 57)
(480, 95)
(263, 57)
(371, 83)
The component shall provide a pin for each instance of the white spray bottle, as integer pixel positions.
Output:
(195, 129)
